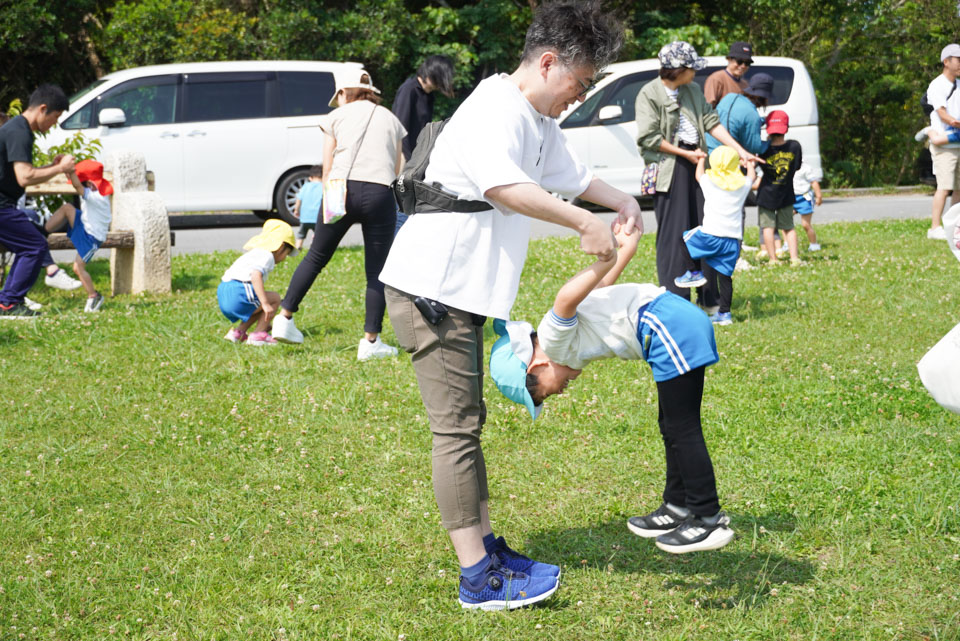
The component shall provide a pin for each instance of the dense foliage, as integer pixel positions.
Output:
(870, 60)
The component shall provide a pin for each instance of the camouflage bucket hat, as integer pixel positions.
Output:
(680, 54)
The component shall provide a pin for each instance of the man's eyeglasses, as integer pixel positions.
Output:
(585, 88)
(745, 63)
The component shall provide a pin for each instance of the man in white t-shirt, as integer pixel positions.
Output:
(447, 272)
(945, 100)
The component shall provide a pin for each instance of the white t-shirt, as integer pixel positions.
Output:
(96, 213)
(376, 155)
(255, 260)
(722, 209)
(937, 94)
(605, 326)
(803, 178)
(473, 261)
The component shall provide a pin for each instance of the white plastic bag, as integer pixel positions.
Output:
(940, 370)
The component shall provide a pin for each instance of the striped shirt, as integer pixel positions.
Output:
(686, 130)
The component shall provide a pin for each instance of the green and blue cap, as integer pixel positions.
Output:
(509, 358)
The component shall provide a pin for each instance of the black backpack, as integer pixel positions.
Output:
(417, 197)
(925, 104)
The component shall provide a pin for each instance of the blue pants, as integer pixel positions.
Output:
(21, 237)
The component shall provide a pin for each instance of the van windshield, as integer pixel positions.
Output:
(83, 92)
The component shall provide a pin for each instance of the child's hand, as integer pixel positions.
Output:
(694, 155)
(267, 307)
(627, 242)
(818, 200)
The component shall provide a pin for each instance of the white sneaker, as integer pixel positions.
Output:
(920, 135)
(936, 233)
(743, 265)
(60, 280)
(814, 247)
(377, 349)
(748, 248)
(93, 304)
(285, 331)
(32, 304)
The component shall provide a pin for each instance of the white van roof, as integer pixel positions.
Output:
(712, 61)
(233, 65)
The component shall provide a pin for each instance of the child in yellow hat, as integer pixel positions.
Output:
(717, 239)
(241, 294)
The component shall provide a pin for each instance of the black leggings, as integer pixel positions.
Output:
(690, 482)
(724, 291)
(374, 207)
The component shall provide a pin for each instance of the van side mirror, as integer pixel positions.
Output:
(112, 117)
(610, 112)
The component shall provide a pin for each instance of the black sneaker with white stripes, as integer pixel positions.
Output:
(695, 534)
(661, 520)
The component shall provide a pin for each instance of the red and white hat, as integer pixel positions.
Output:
(778, 122)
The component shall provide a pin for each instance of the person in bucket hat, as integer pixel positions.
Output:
(592, 319)
(241, 293)
(730, 79)
(717, 239)
(88, 225)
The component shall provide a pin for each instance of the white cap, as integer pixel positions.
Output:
(950, 51)
(351, 78)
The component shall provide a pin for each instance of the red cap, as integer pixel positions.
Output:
(778, 122)
(92, 171)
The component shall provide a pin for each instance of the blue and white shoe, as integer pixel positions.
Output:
(504, 589)
(517, 562)
(690, 279)
(722, 318)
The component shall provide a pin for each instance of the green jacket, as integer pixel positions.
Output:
(658, 117)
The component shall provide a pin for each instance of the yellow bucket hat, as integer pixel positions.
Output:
(274, 234)
(724, 169)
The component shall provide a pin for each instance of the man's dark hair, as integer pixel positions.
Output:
(50, 95)
(533, 383)
(671, 74)
(316, 171)
(580, 33)
(439, 71)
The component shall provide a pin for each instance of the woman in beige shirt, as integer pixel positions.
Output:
(362, 145)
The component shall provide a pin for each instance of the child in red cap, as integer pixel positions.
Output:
(88, 225)
(775, 197)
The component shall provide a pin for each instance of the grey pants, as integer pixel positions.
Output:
(448, 361)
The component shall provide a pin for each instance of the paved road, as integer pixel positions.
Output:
(833, 210)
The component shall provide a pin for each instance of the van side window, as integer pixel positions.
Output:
(304, 93)
(82, 119)
(782, 80)
(623, 93)
(145, 101)
(225, 96)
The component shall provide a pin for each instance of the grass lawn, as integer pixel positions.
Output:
(157, 482)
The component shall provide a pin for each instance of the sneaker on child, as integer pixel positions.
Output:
(32, 305)
(261, 338)
(504, 589)
(936, 233)
(377, 349)
(814, 247)
(661, 520)
(513, 560)
(18, 311)
(696, 534)
(796, 262)
(722, 318)
(61, 280)
(285, 331)
(93, 303)
(236, 336)
(742, 265)
(690, 279)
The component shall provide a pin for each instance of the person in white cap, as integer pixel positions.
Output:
(943, 96)
(363, 146)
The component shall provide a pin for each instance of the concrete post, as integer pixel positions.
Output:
(146, 267)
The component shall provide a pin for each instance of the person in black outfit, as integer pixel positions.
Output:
(17, 232)
(413, 104)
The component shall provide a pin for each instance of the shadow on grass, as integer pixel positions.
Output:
(735, 576)
(193, 282)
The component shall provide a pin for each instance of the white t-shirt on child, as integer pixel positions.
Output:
(803, 179)
(605, 326)
(259, 260)
(722, 209)
(96, 213)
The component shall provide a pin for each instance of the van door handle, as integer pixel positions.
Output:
(169, 134)
(195, 133)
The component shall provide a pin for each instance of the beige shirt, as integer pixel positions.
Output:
(719, 84)
(376, 159)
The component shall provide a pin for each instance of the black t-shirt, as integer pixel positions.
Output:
(776, 186)
(16, 145)
(413, 107)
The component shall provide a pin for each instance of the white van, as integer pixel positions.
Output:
(603, 130)
(217, 135)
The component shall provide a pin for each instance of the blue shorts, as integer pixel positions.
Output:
(237, 300)
(720, 253)
(802, 205)
(676, 337)
(86, 244)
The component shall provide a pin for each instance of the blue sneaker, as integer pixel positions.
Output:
(504, 589)
(513, 560)
(690, 279)
(722, 318)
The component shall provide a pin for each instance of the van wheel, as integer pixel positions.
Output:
(286, 194)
